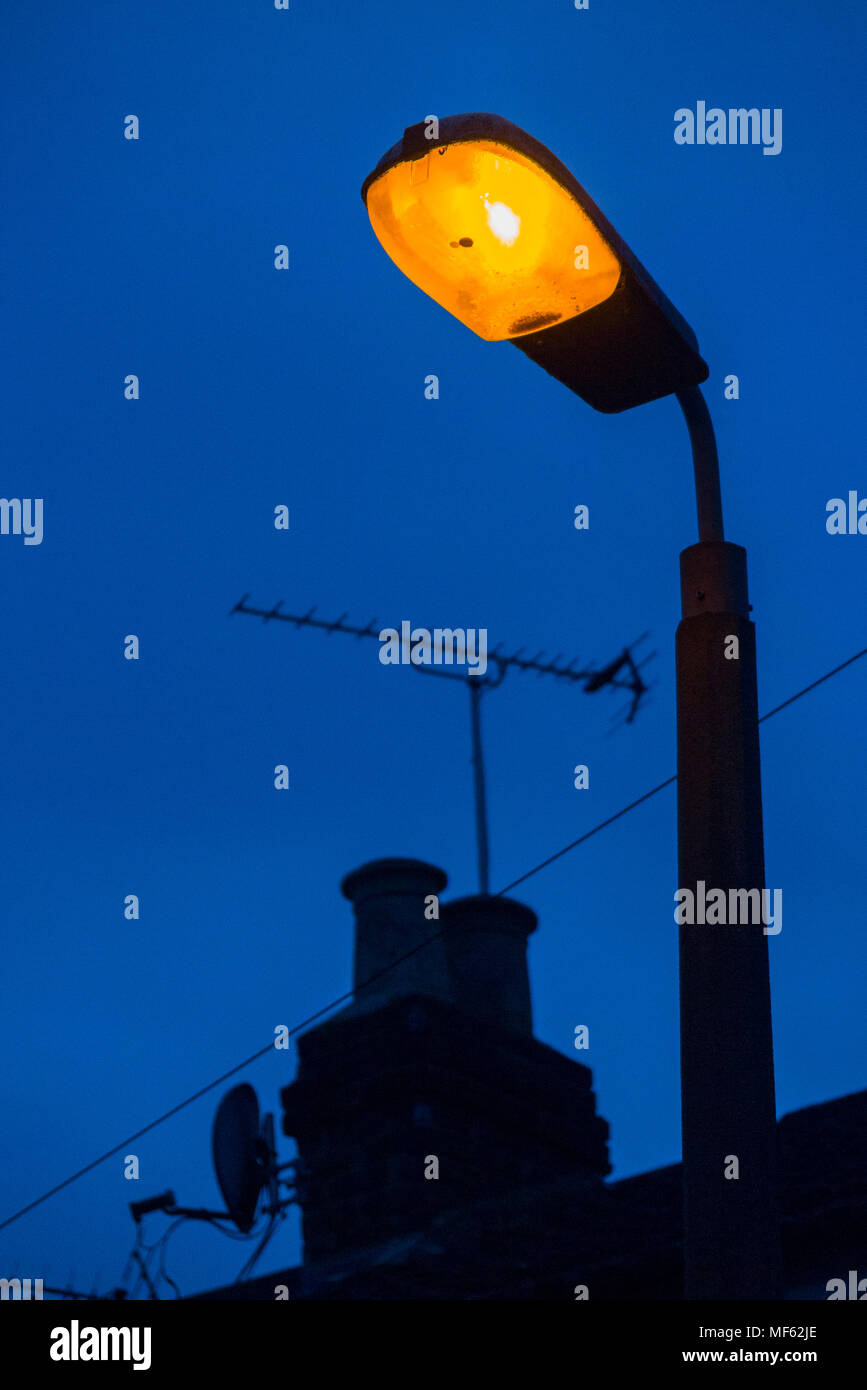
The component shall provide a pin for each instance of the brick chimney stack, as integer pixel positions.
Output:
(434, 1059)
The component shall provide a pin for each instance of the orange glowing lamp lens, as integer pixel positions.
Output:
(492, 237)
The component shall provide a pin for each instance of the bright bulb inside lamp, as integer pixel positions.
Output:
(504, 223)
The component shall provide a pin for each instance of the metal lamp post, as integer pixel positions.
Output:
(489, 223)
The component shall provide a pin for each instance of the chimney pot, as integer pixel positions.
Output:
(486, 953)
(388, 896)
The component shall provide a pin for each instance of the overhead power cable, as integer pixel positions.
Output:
(351, 994)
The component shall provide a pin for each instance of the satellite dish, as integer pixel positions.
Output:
(235, 1149)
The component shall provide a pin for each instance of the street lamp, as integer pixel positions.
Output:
(487, 221)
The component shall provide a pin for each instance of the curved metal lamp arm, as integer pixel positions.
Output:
(705, 462)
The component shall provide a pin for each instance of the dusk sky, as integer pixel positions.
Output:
(305, 387)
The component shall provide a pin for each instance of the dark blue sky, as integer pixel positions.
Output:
(306, 388)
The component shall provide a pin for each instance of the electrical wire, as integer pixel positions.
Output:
(353, 993)
(247, 1269)
(162, 1243)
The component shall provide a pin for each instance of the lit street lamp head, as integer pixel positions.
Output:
(491, 225)
(489, 234)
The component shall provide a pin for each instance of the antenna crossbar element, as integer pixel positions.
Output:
(305, 619)
(554, 667)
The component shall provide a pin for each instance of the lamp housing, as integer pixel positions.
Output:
(490, 224)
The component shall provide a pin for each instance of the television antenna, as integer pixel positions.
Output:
(622, 673)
